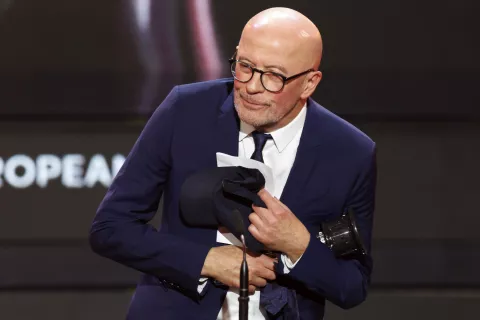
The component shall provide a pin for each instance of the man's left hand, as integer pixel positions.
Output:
(278, 228)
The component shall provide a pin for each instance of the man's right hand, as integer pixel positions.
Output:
(223, 264)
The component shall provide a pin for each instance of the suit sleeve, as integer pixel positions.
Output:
(120, 229)
(343, 282)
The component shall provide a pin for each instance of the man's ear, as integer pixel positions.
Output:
(311, 84)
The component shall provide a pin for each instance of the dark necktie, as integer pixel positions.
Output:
(260, 139)
(273, 297)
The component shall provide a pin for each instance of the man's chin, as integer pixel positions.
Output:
(254, 118)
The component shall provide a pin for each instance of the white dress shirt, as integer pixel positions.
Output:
(279, 154)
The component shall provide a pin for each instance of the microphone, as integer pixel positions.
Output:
(243, 296)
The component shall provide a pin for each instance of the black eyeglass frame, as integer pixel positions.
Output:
(233, 59)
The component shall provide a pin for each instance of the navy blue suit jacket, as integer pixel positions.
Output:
(334, 169)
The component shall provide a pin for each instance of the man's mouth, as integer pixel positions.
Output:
(252, 104)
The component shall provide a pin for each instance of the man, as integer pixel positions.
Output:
(322, 165)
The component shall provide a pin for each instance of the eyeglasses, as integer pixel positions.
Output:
(271, 81)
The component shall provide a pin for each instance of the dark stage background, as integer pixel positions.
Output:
(78, 80)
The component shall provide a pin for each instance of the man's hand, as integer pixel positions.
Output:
(223, 264)
(278, 228)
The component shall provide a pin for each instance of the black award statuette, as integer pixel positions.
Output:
(342, 236)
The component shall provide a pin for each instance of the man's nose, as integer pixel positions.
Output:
(255, 84)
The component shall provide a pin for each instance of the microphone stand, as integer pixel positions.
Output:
(243, 298)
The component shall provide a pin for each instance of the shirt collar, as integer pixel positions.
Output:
(283, 136)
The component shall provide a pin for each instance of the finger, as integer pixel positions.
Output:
(268, 199)
(258, 282)
(266, 274)
(255, 233)
(265, 214)
(251, 289)
(268, 262)
(256, 221)
(281, 204)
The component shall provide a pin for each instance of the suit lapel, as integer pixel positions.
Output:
(227, 129)
(309, 156)
(224, 139)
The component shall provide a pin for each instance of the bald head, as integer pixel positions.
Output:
(288, 31)
(276, 44)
